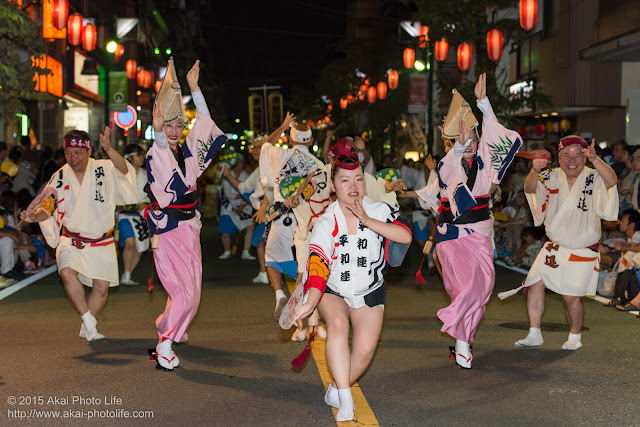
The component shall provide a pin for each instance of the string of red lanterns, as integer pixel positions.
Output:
(528, 14)
(371, 94)
(130, 66)
(494, 44)
(382, 90)
(89, 37)
(119, 52)
(393, 79)
(60, 13)
(409, 57)
(74, 29)
(464, 56)
(424, 36)
(442, 50)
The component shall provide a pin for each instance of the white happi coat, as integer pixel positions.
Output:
(571, 217)
(314, 204)
(356, 263)
(88, 209)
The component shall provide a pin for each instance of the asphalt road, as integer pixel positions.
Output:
(236, 371)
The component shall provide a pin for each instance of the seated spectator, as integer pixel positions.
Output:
(26, 171)
(619, 153)
(519, 218)
(629, 224)
(533, 239)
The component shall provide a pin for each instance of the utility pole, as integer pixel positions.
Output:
(264, 89)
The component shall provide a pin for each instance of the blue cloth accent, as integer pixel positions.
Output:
(480, 162)
(290, 268)
(158, 217)
(125, 231)
(147, 164)
(215, 147)
(463, 199)
(177, 186)
(450, 234)
(440, 182)
(507, 160)
(185, 151)
(420, 234)
(246, 196)
(258, 234)
(41, 249)
(226, 225)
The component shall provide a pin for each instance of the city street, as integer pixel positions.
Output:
(235, 370)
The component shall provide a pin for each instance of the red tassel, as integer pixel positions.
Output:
(150, 283)
(298, 362)
(419, 277)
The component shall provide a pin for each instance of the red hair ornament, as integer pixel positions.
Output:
(342, 149)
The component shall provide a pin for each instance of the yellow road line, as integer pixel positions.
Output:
(364, 415)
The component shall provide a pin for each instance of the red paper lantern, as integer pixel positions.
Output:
(60, 13)
(157, 85)
(147, 82)
(539, 129)
(522, 130)
(119, 52)
(103, 36)
(343, 103)
(464, 56)
(393, 79)
(131, 68)
(351, 98)
(409, 57)
(382, 90)
(494, 44)
(528, 13)
(89, 37)
(424, 35)
(442, 50)
(371, 94)
(140, 76)
(74, 29)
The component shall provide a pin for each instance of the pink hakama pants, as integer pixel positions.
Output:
(178, 261)
(469, 276)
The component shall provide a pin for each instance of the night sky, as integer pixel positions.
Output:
(283, 42)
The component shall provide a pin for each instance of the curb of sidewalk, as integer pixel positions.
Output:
(10, 290)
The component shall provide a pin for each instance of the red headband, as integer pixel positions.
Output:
(343, 148)
(572, 140)
(77, 142)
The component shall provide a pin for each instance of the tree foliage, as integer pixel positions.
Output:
(19, 41)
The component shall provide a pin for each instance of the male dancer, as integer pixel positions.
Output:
(78, 219)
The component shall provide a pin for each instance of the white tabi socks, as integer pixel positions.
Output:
(345, 413)
(166, 356)
(89, 323)
(463, 354)
(534, 339)
(573, 343)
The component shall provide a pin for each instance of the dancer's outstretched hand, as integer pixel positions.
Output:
(158, 117)
(193, 76)
(481, 87)
(105, 139)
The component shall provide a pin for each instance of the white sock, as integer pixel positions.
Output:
(573, 343)
(332, 398)
(280, 294)
(345, 413)
(463, 354)
(164, 347)
(126, 276)
(90, 323)
(532, 340)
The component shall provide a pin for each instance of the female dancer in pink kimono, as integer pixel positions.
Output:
(465, 223)
(174, 222)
